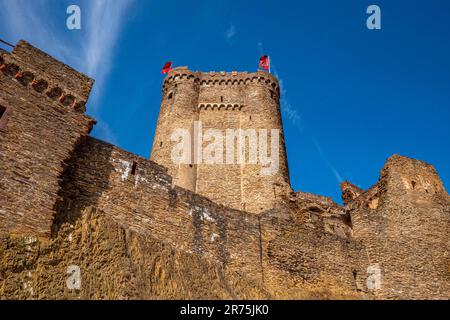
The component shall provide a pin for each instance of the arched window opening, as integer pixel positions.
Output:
(11, 70)
(25, 78)
(67, 100)
(54, 93)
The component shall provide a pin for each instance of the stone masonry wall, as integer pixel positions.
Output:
(43, 122)
(403, 221)
(139, 195)
(117, 263)
(111, 211)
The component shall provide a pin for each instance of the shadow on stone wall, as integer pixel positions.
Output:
(75, 194)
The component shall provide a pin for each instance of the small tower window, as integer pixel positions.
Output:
(221, 98)
(133, 168)
(3, 117)
(2, 111)
(170, 96)
(273, 95)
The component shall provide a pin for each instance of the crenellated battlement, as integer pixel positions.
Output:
(222, 78)
(70, 90)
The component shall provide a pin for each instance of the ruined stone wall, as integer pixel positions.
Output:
(403, 222)
(43, 102)
(114, 263)
(312, 245)
(117, 263)
(222, 101)
(138, 194)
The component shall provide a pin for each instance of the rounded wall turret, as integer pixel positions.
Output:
(178, 105)
(264, 115)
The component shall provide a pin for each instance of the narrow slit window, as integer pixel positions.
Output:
(2, 111)
(133, 168)
(273, 95)
(3, 117)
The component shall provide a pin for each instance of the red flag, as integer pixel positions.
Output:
(167, 67)
(264, 62)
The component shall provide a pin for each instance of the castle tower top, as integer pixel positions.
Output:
(221, 78)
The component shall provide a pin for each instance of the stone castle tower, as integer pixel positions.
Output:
(197, 102)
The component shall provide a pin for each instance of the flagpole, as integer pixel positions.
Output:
(270, 62)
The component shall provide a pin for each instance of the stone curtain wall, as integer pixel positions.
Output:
(43, 122)
(305, 244)
(138, 194)
(144, 200)
(115, 263)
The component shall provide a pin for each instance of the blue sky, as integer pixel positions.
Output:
(351, 98)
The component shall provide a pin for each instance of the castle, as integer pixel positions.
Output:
(155, 229)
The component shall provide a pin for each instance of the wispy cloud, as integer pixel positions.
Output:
(104, 132)
(21, 19)
(327, 161)
(260, 47)
(102, 21)
(230, 32)
(288, 111)
(292, 115)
